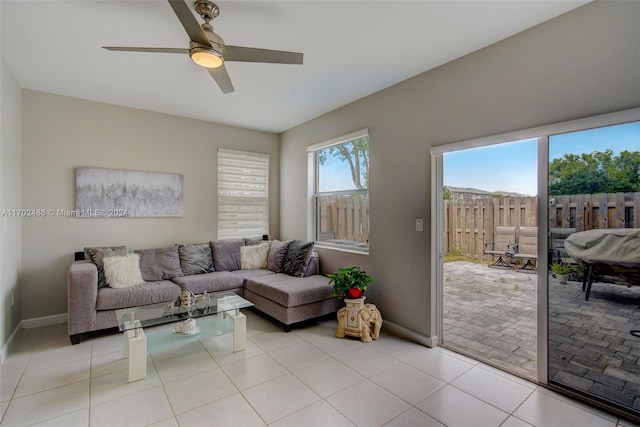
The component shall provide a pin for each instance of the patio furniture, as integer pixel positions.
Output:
(526, 248)
(558, 253)
(504, 239)
(608, 251)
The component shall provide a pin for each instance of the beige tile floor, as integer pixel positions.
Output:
(303, 378)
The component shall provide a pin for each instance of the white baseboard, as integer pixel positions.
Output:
(37, 322)
(430, 342)
(5, 348)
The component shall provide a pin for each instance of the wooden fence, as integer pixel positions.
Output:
(470, 223)
(344, 217)
(592, 211)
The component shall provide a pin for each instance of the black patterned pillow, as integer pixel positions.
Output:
(195, 258)
(97, 255)
(298, 256)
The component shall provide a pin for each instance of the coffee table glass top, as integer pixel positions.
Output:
(166, 312)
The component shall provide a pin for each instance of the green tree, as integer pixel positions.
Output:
(446, 193)
(596, 172)
(354, 152)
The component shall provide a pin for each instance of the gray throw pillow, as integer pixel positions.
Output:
(298, 256)
(277, 254)
(97, 255)
(226, 254)
(160, 264)
(195, 258)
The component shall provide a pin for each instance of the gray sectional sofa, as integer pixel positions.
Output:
(284, 284)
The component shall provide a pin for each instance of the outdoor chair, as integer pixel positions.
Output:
(558, 254)
(503, 239)
(527, 247)
(557, 236)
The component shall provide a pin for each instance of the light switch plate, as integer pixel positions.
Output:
(419, 224)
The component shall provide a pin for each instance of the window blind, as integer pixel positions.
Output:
(243, 194)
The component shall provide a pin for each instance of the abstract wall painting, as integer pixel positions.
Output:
(122, 193)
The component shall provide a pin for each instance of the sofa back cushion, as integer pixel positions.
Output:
(97, 255)
(226, 254)
(298, 256)
(160, 264)
(313, 267)
(277, 254)
(195, 258)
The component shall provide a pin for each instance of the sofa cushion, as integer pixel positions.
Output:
(145, 293)
(298, 256)
(313, 265)
(123, 271)
(211, 282)
(254, 256)
(195, 258)
(250, 274)
(160, 264)
(98, 253)
(277, 254)
(226, 254)
(291, 291)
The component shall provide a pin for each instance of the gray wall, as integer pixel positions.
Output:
(10, 198)
(62, 133)
(583, 63)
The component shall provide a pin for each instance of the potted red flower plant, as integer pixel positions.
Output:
(349, 282)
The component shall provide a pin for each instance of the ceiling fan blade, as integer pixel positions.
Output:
(189, 22)
(147, 49)
(221, 77)
(252, 54)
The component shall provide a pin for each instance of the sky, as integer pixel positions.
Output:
(503, 167)
(335, 175)
(513, 166)
(626, 137)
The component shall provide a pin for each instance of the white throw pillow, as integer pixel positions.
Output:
(254, 256)
(123, 271)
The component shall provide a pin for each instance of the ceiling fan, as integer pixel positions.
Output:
(208, 50)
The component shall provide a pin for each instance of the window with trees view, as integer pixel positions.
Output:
(342, 192)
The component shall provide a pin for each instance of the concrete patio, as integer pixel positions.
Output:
(490, 314)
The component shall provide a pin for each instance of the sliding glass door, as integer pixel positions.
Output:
(594, 264)
(588, 255)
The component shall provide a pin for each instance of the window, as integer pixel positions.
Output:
(243, 194)
(341, 192)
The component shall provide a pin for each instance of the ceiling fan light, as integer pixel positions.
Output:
(207, 58)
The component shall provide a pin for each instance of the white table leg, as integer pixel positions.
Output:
(136, 343)
(239, 330)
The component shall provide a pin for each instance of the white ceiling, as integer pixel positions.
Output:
(351, 49)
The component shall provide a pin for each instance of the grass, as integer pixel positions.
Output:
(457, 255)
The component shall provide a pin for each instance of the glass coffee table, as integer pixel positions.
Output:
(214, 314)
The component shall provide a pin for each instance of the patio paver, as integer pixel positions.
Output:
(490, 314)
